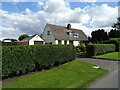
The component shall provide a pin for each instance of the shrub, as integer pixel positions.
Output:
(17, 60)
(81, 50)
(115, 41)
(98, 49)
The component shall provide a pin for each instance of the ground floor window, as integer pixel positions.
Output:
(80, 42)
(70, 42)
(59, 41)
(65, 42)
(50, 42)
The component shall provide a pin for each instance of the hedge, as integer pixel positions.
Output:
(17, 60)
(98, 49)
(115, 41)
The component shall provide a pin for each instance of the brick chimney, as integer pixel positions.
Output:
(69, 26)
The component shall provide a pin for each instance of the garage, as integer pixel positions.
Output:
(38, 42)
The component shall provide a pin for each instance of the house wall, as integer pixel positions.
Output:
(75, 43)
(67, 42)
(62, 41)
(48, 38)
(56, 41)
(36, 38)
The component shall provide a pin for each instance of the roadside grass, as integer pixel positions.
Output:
(75, 74)
(110, 56)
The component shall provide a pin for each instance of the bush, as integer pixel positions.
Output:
(81, 50)
(17, 60)
(98, 49)
(115, 41)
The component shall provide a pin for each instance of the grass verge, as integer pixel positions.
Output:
(75, 74)
(109, 56)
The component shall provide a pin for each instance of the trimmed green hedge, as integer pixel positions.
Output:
(115, 41)
(98, 49)
(17, 60)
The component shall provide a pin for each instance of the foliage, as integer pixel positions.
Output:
(117, 25)
(75, 74)
(98, 49)
(81, 50)
(99, 36)
(110, 56)
(17, 60)
(115, 41)
(114, 33)
(23, 36)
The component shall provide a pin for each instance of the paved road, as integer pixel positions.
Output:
(110, 79)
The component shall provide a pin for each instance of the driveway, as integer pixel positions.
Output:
(110, 79)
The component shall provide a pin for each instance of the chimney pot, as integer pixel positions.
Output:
(68, 26)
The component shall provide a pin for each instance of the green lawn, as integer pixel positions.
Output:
(111, 56)
(115, 39)
(75, 74)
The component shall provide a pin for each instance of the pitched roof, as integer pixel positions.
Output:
(29, 38)
(60, 33)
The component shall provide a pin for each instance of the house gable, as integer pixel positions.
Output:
(49, 38)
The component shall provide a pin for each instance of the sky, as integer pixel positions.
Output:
(24, 17)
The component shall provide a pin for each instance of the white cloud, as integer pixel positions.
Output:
(27, 11)
(40, 3)
(103, 16)
(87, 0)
(57, 12)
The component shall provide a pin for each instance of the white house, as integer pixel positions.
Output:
(33, 40)
(54, 34)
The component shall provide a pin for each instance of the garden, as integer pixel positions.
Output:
(48, 66)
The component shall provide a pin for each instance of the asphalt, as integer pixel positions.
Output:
(111, 78)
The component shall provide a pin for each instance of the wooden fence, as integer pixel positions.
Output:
(14, 43)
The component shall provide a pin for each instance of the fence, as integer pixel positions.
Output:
(14, 43)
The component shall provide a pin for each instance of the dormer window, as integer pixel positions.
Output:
(76, 34)
(48, 32)
(73, 34)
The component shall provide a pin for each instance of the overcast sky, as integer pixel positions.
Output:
(31, 17)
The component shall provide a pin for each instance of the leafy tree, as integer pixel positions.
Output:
(114, 33)
(117, 25)
(13, 40)
(23, 36)
(99, 36)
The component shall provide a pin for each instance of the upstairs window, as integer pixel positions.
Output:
(48, 32)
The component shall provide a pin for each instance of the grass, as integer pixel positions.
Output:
(110, 56)
(118, 39)
(75, 74)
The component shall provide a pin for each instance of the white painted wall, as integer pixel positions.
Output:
(56, 41)
(62, 42)
(67, 42)
(48, 38)
(35, 38)
(75, 43)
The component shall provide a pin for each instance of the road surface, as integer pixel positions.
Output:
(110, 79)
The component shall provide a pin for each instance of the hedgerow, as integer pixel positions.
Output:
(98, 49)
(115, 41)
(17, 60)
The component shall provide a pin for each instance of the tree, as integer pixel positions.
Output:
(23, 36)
(117, 25)
(114, 33)
(99, 36)
(13, 40)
